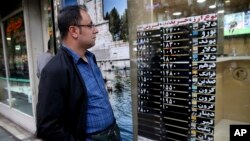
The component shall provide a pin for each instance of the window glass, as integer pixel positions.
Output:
(17, 60)
(48, 21)
(190, 67)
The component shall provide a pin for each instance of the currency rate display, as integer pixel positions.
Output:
(177, 78)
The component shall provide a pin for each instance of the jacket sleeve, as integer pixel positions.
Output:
(51, 106)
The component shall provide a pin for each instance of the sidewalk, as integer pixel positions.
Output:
(9, 131)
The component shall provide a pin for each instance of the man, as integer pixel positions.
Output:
(73, 104)
(43, 59)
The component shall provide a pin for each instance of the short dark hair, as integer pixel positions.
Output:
(68, 16)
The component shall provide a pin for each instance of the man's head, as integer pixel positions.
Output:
(76, 25)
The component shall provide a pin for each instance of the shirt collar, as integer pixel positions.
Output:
(75, 56)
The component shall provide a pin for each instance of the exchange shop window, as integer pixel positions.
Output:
(192, 67)
(17, 61)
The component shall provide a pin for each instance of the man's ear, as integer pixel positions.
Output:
(73, 32)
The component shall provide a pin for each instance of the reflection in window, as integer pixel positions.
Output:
(48, 21)
(232, 66)
(20, 96)
(2, 66)
(16, 47)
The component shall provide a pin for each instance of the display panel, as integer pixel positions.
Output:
(177, 78)
(237, 23)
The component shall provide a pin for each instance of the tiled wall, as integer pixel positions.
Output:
(233, 96)
(241, 44)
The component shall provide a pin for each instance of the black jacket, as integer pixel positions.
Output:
(62, 101)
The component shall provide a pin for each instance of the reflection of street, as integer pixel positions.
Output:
(120, 100)
(26, 90)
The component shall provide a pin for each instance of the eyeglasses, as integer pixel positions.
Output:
(88, 25)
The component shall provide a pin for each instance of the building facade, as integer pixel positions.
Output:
(26, 27)
(188, 60)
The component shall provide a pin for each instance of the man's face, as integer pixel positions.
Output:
(87, 31)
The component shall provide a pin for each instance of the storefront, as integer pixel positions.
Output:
(25, 30)
(191, 61)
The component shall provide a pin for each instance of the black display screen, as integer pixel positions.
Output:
(176, 81)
